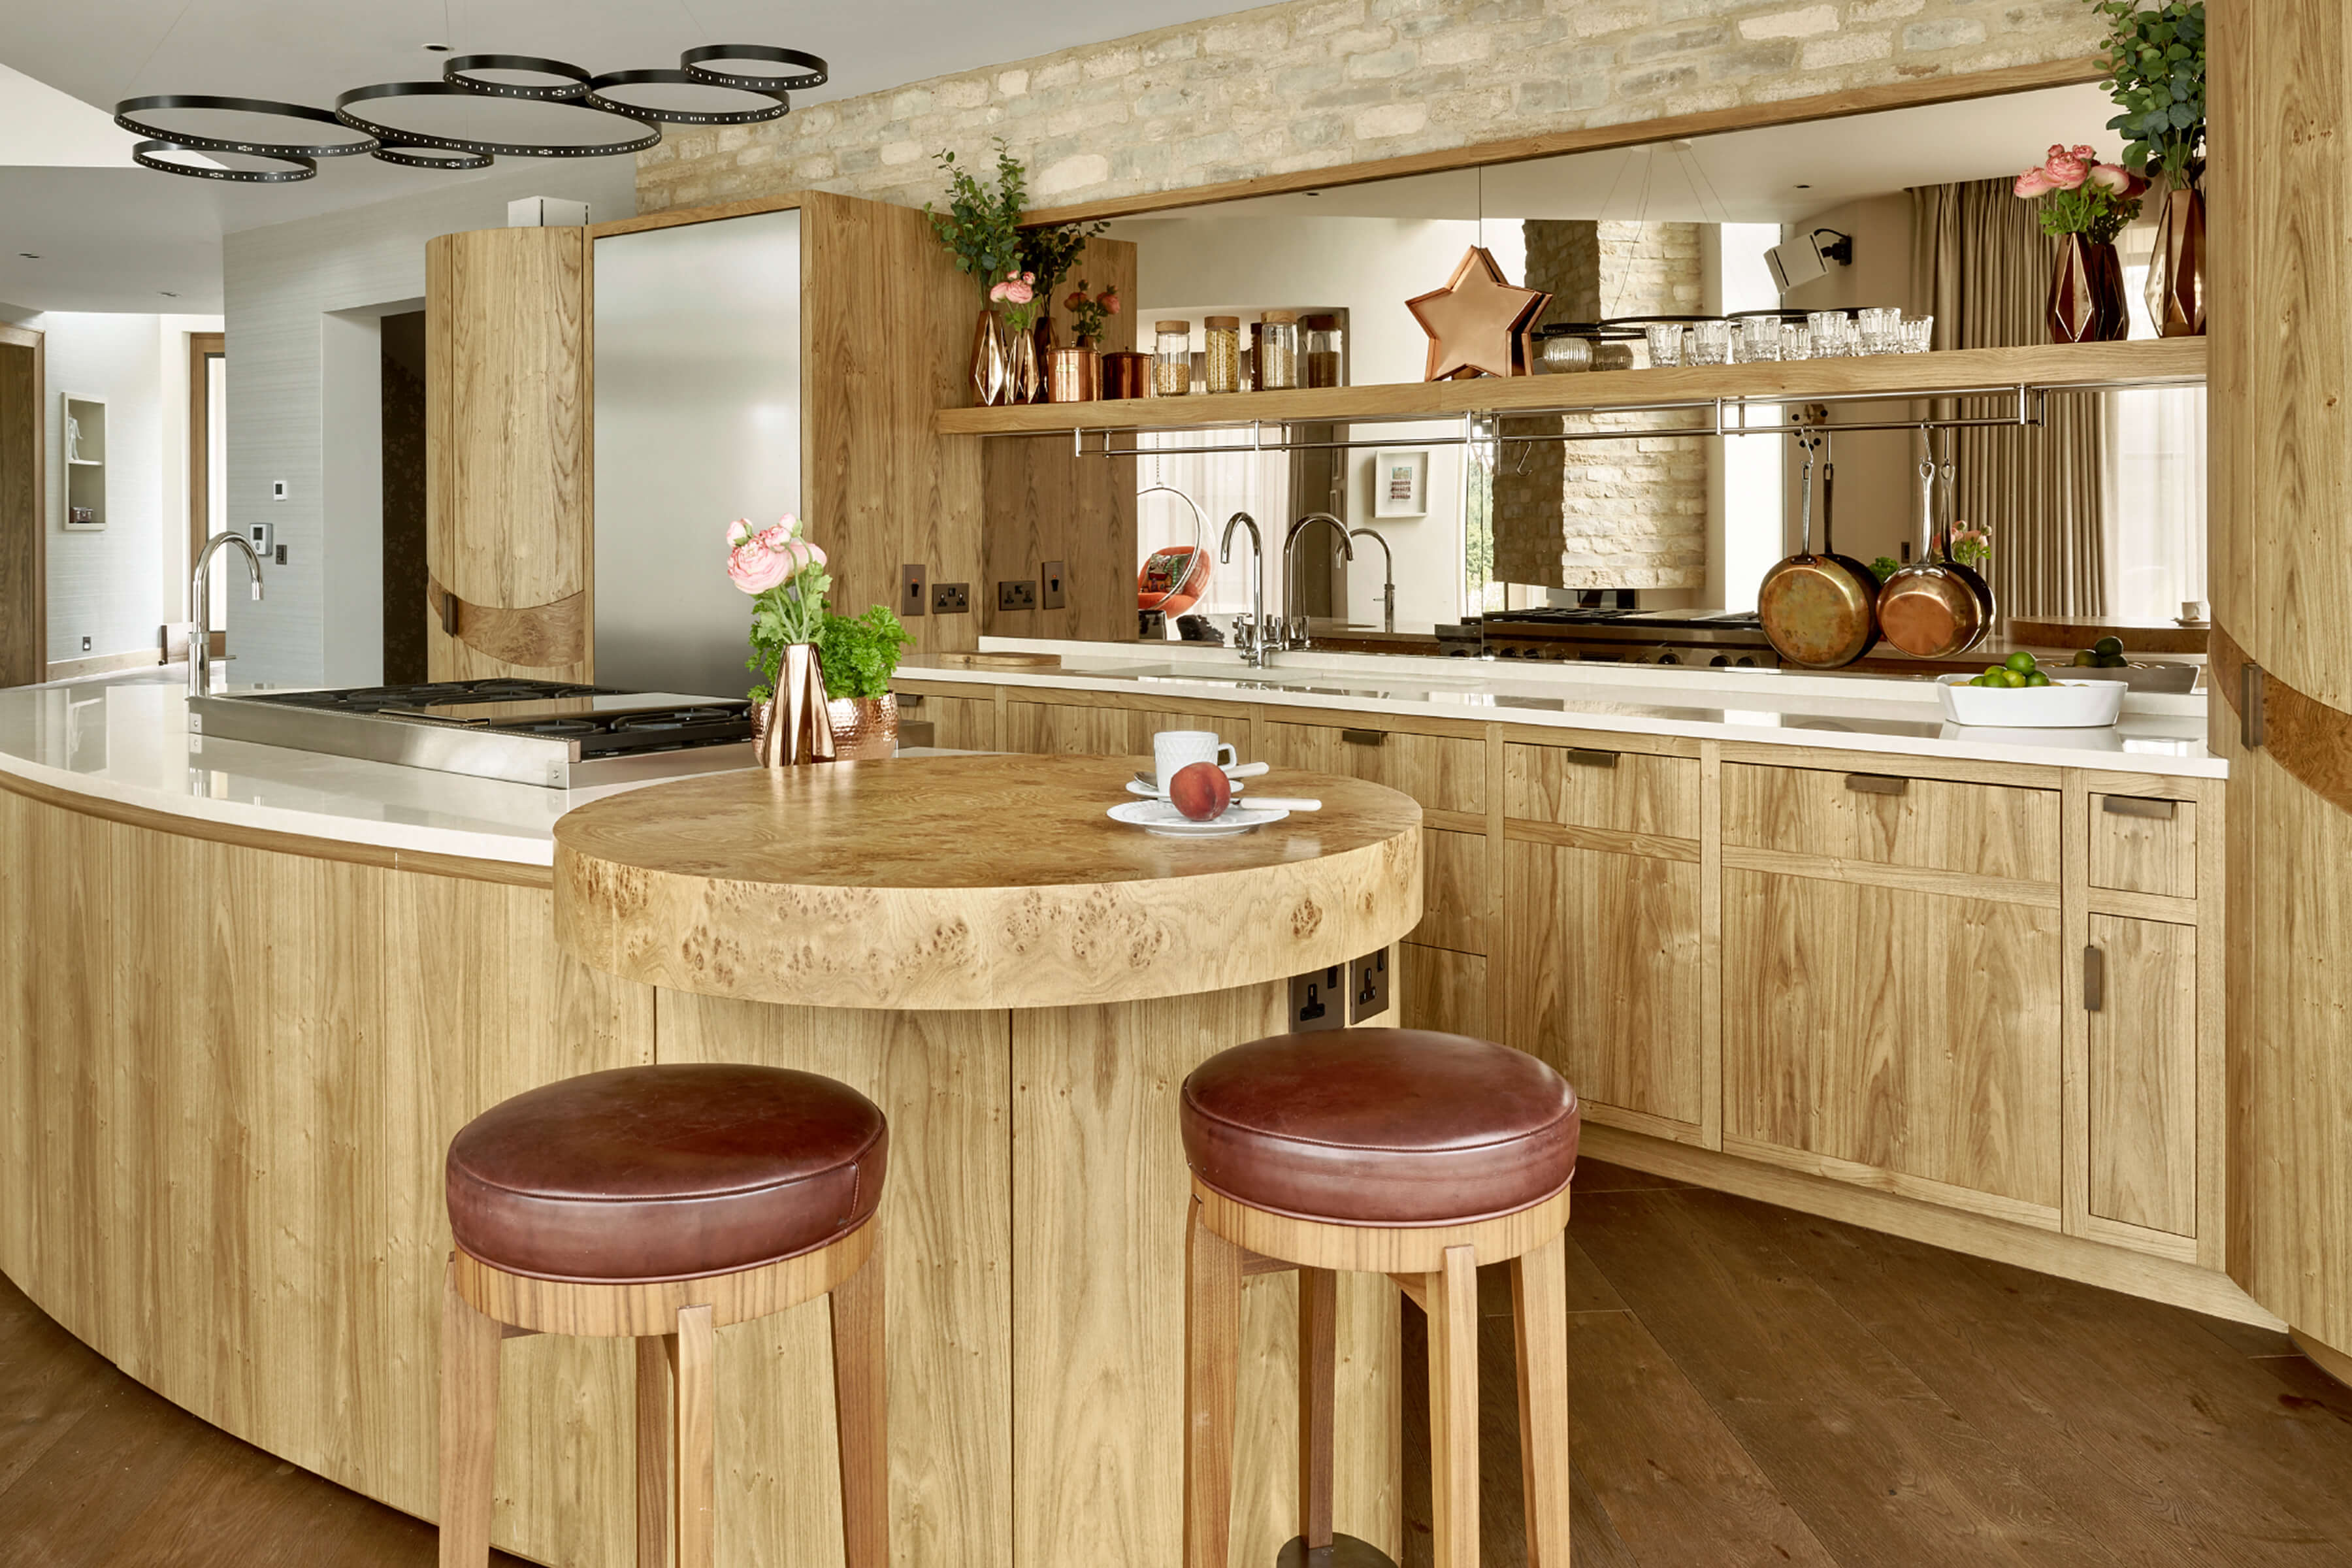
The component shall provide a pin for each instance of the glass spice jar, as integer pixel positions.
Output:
(1322, 350)
(1221, 337)
(1172, 365)
(1277, 351)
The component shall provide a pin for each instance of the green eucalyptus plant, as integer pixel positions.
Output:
(2156, 74)
(981, 227)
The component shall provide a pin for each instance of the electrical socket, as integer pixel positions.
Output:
(1051, 593)
(912, 600)
(950, 599)
(1021, 595)
(1368, 995)
(1318, 999)
(280, 556)
(85, 645)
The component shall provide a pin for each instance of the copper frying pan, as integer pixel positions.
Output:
(1815, 614)
(1928, 609)
(1866, 581)
(1966, 573)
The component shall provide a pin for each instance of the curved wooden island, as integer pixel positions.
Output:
(248, 995)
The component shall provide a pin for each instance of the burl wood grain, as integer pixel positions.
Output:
(954, 882)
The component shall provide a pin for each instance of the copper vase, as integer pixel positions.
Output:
(991, 362)
(794, 726)
(865, 729)
(2176, 273)
(2086, 293)
(1025, 377)
(1125, 374)
(1077, 376)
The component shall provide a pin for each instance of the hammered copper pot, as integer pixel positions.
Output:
(2086, 293)
(2175, 272)
(865, 729)
(1076, 376)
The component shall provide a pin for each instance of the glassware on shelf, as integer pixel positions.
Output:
(1222, 338)
(1880, 329)
(1796, 340)
(1323, 345)
(1277, 351)
(1665, 341)
(1919, 336)
(1833, 334)
(1758, 340)
(1710, 342)
(1171, 365)
(1562, 356)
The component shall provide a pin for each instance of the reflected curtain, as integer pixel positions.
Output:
(1981, 264)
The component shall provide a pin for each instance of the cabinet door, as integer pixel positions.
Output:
(1443, 772)
(1906, 1040)
(2144, 1073)
(1605, 981)
(961, 723)
(1443, 990)
(1060, 728)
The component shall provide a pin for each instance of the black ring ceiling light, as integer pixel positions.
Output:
(573, 88)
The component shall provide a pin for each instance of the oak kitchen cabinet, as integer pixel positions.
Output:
(1863, 985)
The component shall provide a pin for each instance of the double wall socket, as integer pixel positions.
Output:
(1021, 595)
(950, 599)
(1341, 994)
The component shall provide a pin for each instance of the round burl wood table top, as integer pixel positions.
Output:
(973, 882)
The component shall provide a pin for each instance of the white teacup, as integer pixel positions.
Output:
(1172, 750)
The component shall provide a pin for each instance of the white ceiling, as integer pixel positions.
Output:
(115, 237)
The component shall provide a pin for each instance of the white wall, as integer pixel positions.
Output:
(303, 299)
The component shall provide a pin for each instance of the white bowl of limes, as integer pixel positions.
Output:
(2017, 695)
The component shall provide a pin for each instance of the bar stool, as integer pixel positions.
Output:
(1396, 1152)
(663, 1203)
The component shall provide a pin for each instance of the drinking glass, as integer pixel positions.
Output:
(1881, 330)
(1831, 333)
(1796, 340)
(1665, 341)
(1759, 340)
(1711, 342)
(1919, 336)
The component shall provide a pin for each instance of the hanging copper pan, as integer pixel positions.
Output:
(1966, 573)
(1928, 609)
(1815, 614)
(1864, 580)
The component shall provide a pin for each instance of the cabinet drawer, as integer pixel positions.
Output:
(1441, 771)
(1986, 830)
(2140, 845)
(1624, 791)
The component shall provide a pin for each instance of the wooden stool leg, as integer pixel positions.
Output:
(469, 1425)
(1318, 1354)
(656, 1352)
(1453, 1305)
(1539, 1319)
(695, 1468)
(1213, 1331)
(861, 1394)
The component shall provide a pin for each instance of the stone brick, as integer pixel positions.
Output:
(1848, 48)
(1802, 24)
(1391, 119)
(1950, 33)
(1013, 83)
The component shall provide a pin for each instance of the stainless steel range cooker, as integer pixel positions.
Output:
(525, 732)
(1716, 639)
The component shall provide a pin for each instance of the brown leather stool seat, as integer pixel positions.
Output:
(1380, 1126)
(665, 1172)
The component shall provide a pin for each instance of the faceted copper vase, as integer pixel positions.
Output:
(2176, 273)
(2086, 293)
(794, 726)
(992, 366)
(1026, 379)
(865, 729)
(1077, 376)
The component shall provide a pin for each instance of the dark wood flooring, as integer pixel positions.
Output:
(1750, 1385)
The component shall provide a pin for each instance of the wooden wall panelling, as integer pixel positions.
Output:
(1989, 830)
(1908, 1034)
(23, 507)
(2142, 1076)
(944, 1082)
(1443, 990)
(886, 332)
(1041, 501)
(507, 450)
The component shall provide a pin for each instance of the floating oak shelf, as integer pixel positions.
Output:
(2047, 367)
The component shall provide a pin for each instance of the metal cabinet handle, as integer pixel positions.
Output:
(1877, 783)
(1364, 737)
(2137, 805)
(1585, 757)
(2095, 979)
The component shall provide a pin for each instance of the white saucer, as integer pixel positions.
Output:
(1159, 817)
(1137, 787)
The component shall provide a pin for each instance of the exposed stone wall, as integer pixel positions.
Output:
(1606, 514)
(1315, 83)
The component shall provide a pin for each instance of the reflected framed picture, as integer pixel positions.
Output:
(1401, 482)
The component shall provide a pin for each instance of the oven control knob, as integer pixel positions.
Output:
(1510, 653)
(1721, 662)
(1747, 662)
(1668, 658)
(1555, 653)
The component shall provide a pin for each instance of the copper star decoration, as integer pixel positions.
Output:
(1475, 323)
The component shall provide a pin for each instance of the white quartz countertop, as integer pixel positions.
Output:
(129, 743)
(2156, 734)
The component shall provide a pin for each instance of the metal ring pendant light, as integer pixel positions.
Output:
(817, 73)
(125, 111)
(389, 133)
(144, 154)
(456, 72)
(598, 89)
(433, 156)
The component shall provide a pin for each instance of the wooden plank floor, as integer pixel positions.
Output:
(1750, 1386)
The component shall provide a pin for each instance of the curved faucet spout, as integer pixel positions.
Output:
(1251, 642)
(1294, 624)
(1388, 575)
(200, 610)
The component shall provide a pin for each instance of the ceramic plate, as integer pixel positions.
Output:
(1159, 817)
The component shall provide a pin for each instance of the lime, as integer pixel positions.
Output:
(2037, 678)
(2109, 645)
(1996, 671)
(1981, 680)
(2021, 661)
(2086, 659)
(2113, 662)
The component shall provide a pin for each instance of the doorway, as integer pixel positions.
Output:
(208, 470)
(404, 498)
(24, 567)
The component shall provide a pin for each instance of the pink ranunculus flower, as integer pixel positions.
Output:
(815, 556)
(2087, 153)
(756, 569)
(739, 530)
(2033, 183)
(2066, 172)
(1015, 290)
(775, 537)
